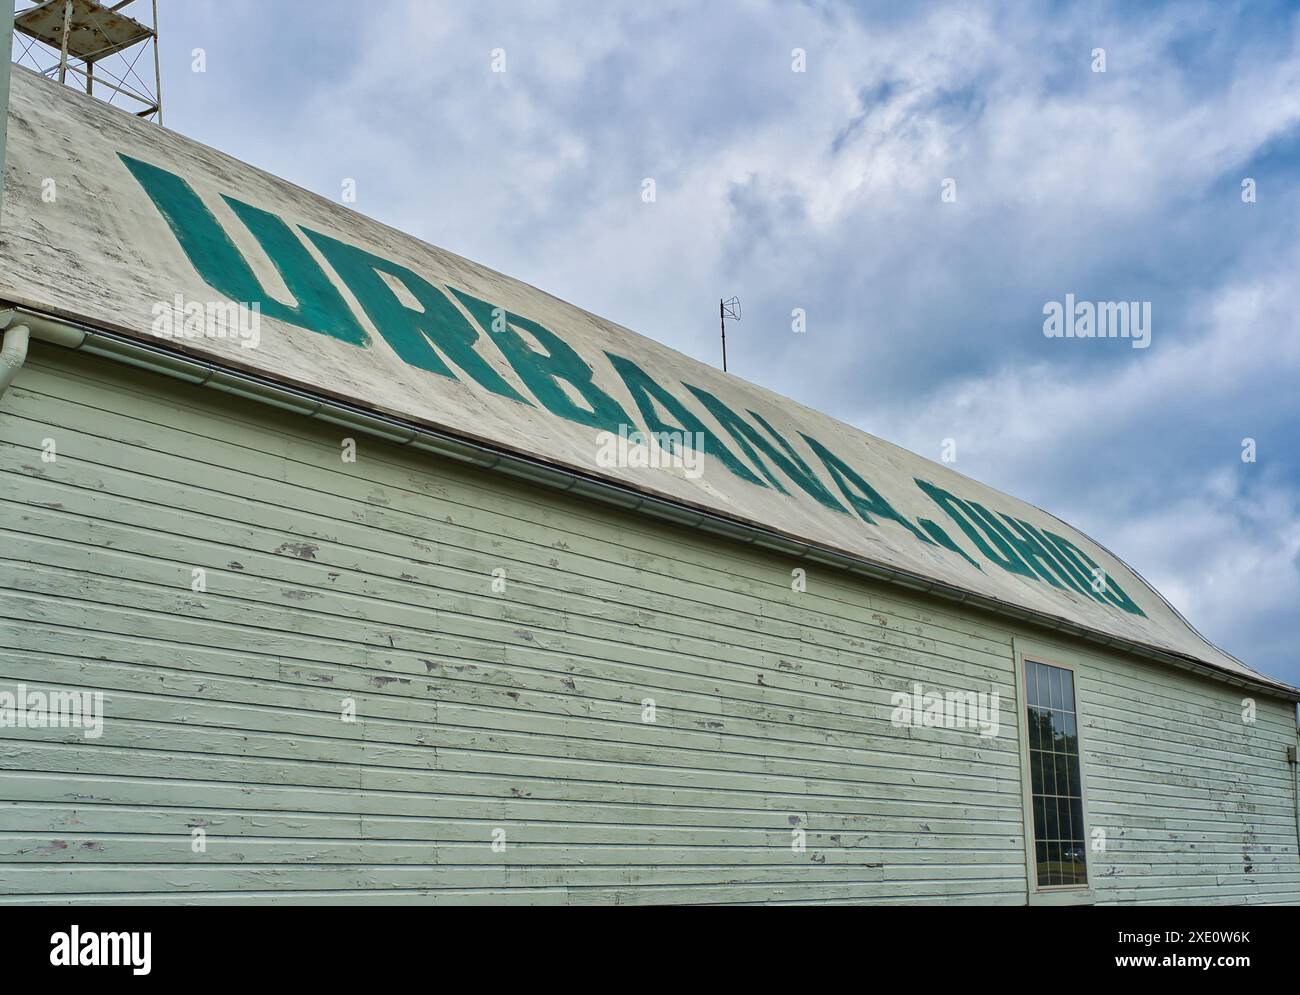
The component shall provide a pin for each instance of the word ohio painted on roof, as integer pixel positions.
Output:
(441, 336)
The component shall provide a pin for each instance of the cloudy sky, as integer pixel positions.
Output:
(823, 190)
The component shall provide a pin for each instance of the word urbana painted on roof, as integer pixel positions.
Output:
(560, 375)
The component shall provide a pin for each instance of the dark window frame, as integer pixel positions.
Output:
(1026, 654)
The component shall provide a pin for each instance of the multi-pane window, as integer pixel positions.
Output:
(1057, 789)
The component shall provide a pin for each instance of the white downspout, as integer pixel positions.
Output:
(14, 351)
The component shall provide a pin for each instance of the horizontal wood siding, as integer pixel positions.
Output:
(522, 711)
(1198, 805)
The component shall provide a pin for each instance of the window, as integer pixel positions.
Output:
(1055, 783)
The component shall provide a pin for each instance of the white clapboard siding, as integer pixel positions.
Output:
(522, 710)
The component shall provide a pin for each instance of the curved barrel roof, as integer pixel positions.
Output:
(152, 235)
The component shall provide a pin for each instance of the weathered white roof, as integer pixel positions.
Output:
(101, 252)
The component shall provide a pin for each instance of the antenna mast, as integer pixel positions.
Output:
(730, 308)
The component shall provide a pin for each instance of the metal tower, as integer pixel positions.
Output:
(96, 45)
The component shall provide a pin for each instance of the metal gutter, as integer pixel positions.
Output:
(130, 352)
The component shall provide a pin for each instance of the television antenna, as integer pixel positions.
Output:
(730, 308)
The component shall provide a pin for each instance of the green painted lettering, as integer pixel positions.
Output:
(865, 499)
(646, 392)
(749, 440)
(957, 509)
(427, 339)
(1039, 560)
(545, 372)
(943, 539)
(320, 306)
(1111, 590)
(1063, 567)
